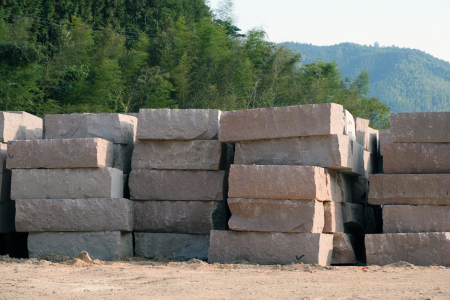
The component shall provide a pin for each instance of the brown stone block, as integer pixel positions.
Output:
(343, 217)
(343, 249)
(270, 248)
(420, 127)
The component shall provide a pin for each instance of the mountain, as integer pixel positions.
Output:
(408, 80)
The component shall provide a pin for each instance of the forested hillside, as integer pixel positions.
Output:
(119, 56)
(407, 80)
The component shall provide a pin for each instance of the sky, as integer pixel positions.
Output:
(416, 24)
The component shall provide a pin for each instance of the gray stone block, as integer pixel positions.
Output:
(108, 245)
(178, 124)
(19, 125)
(177, 185)
(181, 247)
(343, 217)
(282, 122)
(385, 139)
(269, 215)
(60, 154)
(270, 248)
(191, 217)
(95, 214)
(420, 249)
(66, 183)
(122, 157)
(116, 128)
(420, 127)
(343, 249)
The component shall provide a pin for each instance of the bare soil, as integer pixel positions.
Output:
(56, 277)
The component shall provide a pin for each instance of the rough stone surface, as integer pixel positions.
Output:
(422, 218)
(101, 214)
(326, 151)
(192, 217)
(340, 186)
(122, 157)
(178, 155)
(412, 189)
(278, 182)
(270, 248)
(362, 132)
(420, 127)
(343, 253)
(116, 128)
(60, 154)
(66, 183)
(343, 217)
(177, 185)
(282, 122)
(107, 245)
(385, 139)
(269, 215)
(420, 249)
(181, 247)
(415, 158)
(19, 125)
(178, 124)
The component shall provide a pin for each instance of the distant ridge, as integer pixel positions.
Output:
(408, 80)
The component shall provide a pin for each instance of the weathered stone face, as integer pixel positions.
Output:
(270, 248)
(269, 215)
(177, 185)
(178, 124)
(116, 128)
(343, 249)
(412, 189)
(362, 132)
(191, 217)
(326, 151)
(106, 245)
(181, 247)
(66, 183)
(343, 217)
(339, 186)
(278, 182)
(19, 125)
(420, 249)
(178, 155)
(122, 157)
(420, 127)
(409, 218)
(385, 139)
(415, 158)
(98, 214)
(282, 122)
(60, 154)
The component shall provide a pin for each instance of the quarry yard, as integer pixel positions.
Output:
(195, 279)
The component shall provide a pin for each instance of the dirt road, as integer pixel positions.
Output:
(76, 279)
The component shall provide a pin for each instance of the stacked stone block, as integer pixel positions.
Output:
(291, 185)
(178, 182)
(414, 192)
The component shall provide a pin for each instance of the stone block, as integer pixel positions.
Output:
(191, 217)
(420, 127)
(340, 186)
(19, 125)
(282, 122)
(410, 218)
(116, 128)
(66, 183)
(122, 157)
(95, 214)
(178, 155)
(181, 247)
(270, 248)
(350, 126)
(385, 139)
(361, 162)
(343, 249)
(60, 154)
(326, 151)
(362, 132)
(415, 158)
(177, 185)
(278, 182)
(178, 124)
(420, 249)
(411, 189)
(270, 215)
(107, 245)
(343, 217)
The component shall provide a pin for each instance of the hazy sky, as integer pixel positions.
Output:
(418, 24)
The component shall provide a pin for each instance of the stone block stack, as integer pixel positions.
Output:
(290, 187)
(414, 192)
(178, 182)
(14, 125)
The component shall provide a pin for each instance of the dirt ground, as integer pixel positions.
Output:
(56, 277)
